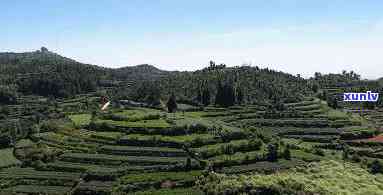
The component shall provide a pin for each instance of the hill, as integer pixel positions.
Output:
(49, 74)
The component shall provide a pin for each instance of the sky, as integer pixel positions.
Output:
(294, 36)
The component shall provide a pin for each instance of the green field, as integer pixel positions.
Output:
(7, 159)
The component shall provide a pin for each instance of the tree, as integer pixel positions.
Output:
(8, 95)
(376, 167)
(219, 94)
(44, 49)
(319, 152)
(286, 153)
(172, 104)
(229, 95)
(346, 152)
(239, 95)
(147, 91)
(188, 165)
(225, 95)
(332, 102)
(315, 87)
(272, 152)
(206, 97)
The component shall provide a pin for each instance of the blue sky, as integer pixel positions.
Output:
(296, 36)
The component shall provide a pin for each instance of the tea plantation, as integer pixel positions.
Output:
(137, 150)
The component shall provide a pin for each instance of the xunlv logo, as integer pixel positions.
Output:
(361, 97)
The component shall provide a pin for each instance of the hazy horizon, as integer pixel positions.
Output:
(293, 36)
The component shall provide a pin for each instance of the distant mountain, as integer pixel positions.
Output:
(43, 72)
(139, 72)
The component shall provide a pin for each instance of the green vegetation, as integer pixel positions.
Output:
(159, 123)
(35, 189)
(7, 159)
(175, 191)
(160, 176)
(80, 119)
(270, 132)
(327, 177)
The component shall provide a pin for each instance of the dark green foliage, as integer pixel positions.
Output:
(172, 104)
(225, 96)
(272, 152)
(219, 94)
(46, 73)
(188, 164)
(315, 88)
(240, 95)
(147, 91)
(286, 153)
(319, 152)
(206, 97)
(332, 102)
(8, 94)
(356, 158)
(376, 167)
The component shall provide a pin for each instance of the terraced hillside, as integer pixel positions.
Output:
(148, 151)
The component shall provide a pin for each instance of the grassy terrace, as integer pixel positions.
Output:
(207, 151)
(95, 187)
(238, 158)
(119, 159)
(79, 167)
(327, 177)
(57, 140)
(80, 119)
(158, 123)
(263, 166)
(171, 141)
(7, 158)
(174, 191)
(141, 151)
(137, 112)
(298, 122)
(99, 137)
(37, 189)
(29, 173)
(160, 176)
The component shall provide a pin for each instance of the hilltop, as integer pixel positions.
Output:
(45, 73)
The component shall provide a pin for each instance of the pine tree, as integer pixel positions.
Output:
(376, 167)
(272, 152)
(219, 95)
(172, 104)
(287, 153)
(240, 95)
(228, 96)
(205, 97)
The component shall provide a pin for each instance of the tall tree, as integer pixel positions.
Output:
(206, 97)
(219, 94)
(172, 104)
(240, 95)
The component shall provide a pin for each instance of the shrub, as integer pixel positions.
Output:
(319, 152)
(376, 167)
(286, 153)
(272, 152)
